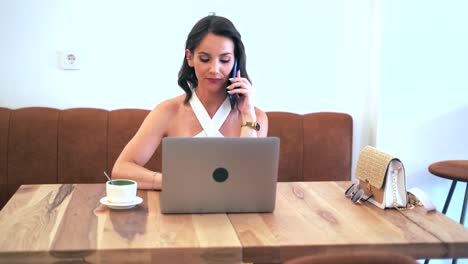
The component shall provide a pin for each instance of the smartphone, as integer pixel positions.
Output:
(233, 97)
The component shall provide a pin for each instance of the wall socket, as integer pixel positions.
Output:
(69, 60)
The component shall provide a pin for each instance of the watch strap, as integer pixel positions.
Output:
(253, 125)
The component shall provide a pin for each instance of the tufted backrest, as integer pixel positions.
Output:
(47, 145)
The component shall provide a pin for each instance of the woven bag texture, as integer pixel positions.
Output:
(372, 166)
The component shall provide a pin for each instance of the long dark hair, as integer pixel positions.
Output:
(217, 25)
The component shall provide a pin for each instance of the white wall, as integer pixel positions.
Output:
(423, 103)
(423, 95)
(398, 67)
(303, 56)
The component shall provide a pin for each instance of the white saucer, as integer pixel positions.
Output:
(104, 201)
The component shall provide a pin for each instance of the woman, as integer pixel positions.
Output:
(212, 47)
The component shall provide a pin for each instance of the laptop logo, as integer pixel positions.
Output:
(220, 174)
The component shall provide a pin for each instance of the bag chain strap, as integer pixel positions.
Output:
(411, 202)
(394, 189)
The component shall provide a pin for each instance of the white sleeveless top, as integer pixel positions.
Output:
(210, 126)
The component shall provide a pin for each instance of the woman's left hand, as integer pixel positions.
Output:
(244, 91)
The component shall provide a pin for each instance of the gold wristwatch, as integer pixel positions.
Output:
(253, 125)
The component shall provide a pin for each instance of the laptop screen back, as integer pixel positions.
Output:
(219, 175)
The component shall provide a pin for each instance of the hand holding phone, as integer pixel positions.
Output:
(233, 97)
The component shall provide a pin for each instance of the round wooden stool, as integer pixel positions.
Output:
(455, 170)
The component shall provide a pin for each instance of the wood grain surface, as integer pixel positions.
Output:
(52, 223)
(66, 223)
(316, 217)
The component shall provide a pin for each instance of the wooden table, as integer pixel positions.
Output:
(67, 222)
(47, 223)
(316, 217)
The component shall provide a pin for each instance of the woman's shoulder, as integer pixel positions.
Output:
(170, 106)
(164, 113)
(260, 112)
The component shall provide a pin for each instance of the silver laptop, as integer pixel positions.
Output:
(219, 175)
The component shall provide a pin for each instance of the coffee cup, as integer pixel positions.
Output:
(121, 191)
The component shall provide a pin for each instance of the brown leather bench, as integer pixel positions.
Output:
(46, 145)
